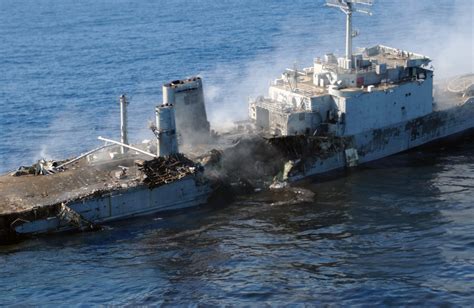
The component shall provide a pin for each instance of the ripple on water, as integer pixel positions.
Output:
(397, 232)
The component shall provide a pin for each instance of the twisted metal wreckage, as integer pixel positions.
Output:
(338, 113)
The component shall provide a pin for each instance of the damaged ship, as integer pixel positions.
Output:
(369, 104)
(112, 182)
(338, 113)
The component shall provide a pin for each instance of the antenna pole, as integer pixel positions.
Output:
(123, 122)
(348, 31)
(348, 7)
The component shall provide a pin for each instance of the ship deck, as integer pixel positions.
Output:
(306, 87)
(27, 192)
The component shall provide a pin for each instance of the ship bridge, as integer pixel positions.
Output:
(361, 91)
(395, 82)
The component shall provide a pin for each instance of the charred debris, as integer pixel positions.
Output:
(335, 114)
(239, 161)
(242, 155)
(163, 170)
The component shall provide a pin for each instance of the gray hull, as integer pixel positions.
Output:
(118, 205)
(380, 143)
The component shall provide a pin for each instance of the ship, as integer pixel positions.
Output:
(339, 113)
(369, 104)
(112, 182)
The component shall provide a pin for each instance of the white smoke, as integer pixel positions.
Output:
(66, 127)
(228, 88)
(442, 30)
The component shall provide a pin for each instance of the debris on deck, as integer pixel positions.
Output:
(163, 170)
(42, 167)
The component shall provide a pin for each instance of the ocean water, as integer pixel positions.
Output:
(397, 232)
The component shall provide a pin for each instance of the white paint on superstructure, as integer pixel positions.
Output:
(384, 107)
(385, 86)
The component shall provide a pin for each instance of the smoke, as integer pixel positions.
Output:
(228, 88)
(251, 162)
(64, 126)
(74, 132)
(442, 30)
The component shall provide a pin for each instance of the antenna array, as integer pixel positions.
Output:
(349, 7)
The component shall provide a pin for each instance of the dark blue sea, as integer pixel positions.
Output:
(399, 232)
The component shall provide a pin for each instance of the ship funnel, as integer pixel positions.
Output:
(187, 97)
(167, 142)
(123, 122)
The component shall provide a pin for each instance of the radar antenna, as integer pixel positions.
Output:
(291, 76)
(349, 7)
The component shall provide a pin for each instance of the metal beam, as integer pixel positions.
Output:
(127, 146)
(81, 156)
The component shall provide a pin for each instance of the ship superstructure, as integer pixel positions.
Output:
(371, 88)
(338, 113)
(353, 109)
(383, 86)
(114, 181)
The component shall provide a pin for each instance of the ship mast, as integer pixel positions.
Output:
(349, 31)
(123, 122)
(348, 7)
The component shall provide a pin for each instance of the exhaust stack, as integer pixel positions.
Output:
(167, 142)
(187, 97)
